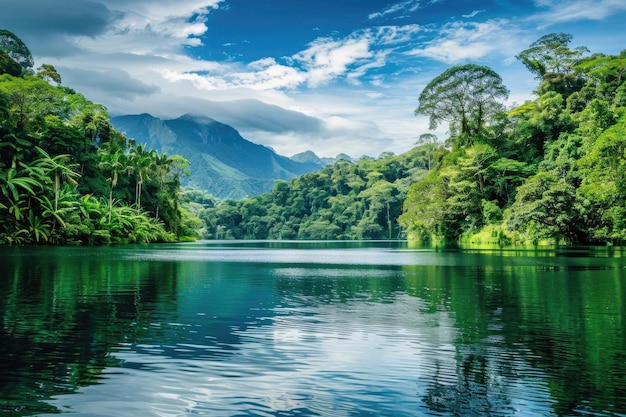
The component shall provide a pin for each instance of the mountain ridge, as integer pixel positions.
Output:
(222, 161)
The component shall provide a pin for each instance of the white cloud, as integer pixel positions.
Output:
(559, 11)
(397, 8)
(327, 58)
(473, 14)
(395, 35)
(462, 41)
(160, 28)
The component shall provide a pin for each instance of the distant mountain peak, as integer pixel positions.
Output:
(306, 156)
(197, 118)
(311, 157)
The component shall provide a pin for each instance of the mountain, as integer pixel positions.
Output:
(310, 157)
(222, 162)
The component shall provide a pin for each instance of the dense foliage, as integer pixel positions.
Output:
(550, 170)
(66, 175)
(346, 200)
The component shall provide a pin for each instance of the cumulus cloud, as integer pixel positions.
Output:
(327, 58)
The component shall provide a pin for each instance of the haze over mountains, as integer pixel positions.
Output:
(222, 161)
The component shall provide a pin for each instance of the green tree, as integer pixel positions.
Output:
(57, 168)
(547, 207)
(553, 62)
(115, 163)
(141, 164)
(607, 75)
(426, 213)
(466, 96)
(603, 185)
(551, 54)
(30, 100)
(49, 73)
(8, 65)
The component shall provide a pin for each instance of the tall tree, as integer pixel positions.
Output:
(141, 164)
(466, 96)
(115, 162)
(49, 73)
(552, 61)
(58, 169)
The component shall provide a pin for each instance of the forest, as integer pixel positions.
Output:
(549, 171)
(67, 176)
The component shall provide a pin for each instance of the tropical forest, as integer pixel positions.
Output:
(551, 170)
(66, 175)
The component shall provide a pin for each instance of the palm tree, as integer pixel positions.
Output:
(163, 164)
(141, 164)
(116, 162)
(62, 208)
(16, 188)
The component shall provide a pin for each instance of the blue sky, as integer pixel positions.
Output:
(329, 76)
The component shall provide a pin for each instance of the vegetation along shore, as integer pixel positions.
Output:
(549, 170)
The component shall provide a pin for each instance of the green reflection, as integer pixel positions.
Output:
(63, 310)
(561, 314)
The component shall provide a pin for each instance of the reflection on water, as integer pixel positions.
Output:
(312, 329)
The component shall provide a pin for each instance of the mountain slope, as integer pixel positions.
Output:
(222, 162)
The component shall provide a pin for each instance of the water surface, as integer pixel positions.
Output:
(312, 329)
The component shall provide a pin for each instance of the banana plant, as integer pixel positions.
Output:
(58, 170)
(37, 227)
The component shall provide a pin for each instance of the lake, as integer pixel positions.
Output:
(312, 329)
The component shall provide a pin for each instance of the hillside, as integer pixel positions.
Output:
(222, 162)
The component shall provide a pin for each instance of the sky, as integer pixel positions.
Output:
(340, 76)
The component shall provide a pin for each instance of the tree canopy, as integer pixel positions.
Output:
(554, 168)
(466, 96)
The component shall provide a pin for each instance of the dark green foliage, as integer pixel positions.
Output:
(553, 171)
(344, 201)
(59, 182)
(8, 65)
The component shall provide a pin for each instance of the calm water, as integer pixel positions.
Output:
(311, 329)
